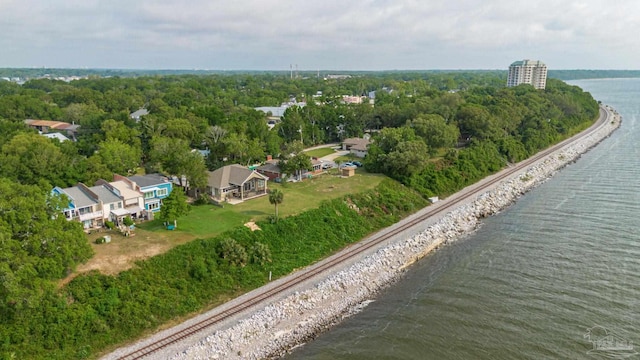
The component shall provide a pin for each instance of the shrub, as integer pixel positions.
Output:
(109, 224)
(260, 254)
(127, 221)
(231, 251)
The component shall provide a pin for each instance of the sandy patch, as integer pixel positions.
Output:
(252, 225)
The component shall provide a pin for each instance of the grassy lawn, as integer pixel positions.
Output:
(320, 152)
(308, 194)
(205, 221)
(210, 220)
(347, 158)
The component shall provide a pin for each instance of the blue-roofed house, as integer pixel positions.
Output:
(154, 188)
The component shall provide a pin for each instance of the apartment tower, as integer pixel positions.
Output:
(528, 72)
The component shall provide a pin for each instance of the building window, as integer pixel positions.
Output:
(112, 206)
(149, 195)
(154, 206)
(162, 192)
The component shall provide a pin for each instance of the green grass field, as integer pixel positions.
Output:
(320, 152)
(205, 221)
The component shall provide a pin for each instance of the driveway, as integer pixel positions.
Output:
(336, 154)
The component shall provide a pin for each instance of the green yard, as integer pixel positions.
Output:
(320, 152)
(209, 220)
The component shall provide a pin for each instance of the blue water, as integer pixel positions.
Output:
(532, 280)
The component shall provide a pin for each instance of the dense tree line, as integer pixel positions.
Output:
(489, 128)
(434, 132)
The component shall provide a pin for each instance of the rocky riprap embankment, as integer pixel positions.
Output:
(272, 331)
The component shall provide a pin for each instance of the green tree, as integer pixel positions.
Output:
(435, 131)
(276, 196)
(118, 157)
(174, 206)
(37, 243)
(29, 158)
(408, 158)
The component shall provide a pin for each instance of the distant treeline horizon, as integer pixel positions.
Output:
(29, 73)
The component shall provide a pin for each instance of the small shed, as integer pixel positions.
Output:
(348, 171)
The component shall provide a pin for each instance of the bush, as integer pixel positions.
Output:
(260, 254)
(231, 251)
(109, 224)
(203, 199)
(127, 221)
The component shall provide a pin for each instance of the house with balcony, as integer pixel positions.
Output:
(133, 199)
(235, 183)
(154, 188)
(84, 206)
(111, 203)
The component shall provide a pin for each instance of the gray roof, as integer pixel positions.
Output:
(141, 112)
(229, 175)
(56, 135)
(78, 197)
(148, 180)
(274, 110)
(269, 167)
(356, 142)
(105, 195)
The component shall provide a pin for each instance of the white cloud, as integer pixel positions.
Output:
(380, 34)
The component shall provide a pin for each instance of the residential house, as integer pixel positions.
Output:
(235, 182)
(84, 206)
(58, 136)
(138, 114)
(132, 198)
(48, 126)
(316, 168)
(131, 201)
(270, 169)
(357, 146)
(110, 203)
(154, 188)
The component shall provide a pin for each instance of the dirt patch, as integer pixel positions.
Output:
(123, 252)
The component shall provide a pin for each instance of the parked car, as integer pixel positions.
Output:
(347, 164)
(326, 166)
(357, 163)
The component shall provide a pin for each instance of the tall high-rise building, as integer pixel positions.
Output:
(528, 72)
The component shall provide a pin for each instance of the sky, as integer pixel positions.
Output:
(319, 35)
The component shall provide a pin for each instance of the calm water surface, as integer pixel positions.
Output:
(533, 279)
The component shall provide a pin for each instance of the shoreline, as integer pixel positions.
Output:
(278, 328)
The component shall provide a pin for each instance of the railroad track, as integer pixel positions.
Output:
(358, 248)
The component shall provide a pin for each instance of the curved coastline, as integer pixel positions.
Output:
(295, 319)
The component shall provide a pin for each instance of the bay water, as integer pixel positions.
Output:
(555, 276)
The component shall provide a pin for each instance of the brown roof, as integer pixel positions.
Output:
(48, 123)
(231, 175)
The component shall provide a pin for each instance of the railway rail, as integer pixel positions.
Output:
(357, 249)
